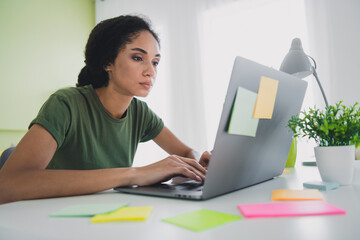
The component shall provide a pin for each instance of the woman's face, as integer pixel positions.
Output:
(134, 70)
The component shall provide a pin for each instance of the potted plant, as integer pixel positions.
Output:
(336, 131)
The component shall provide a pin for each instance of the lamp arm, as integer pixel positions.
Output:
(312, 60)
(322, 90)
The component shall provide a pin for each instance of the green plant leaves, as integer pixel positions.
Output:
(337, 125)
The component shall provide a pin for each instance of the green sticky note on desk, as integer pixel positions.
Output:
(201, 220)
(87, 210)
(124, 214)
(241, 119)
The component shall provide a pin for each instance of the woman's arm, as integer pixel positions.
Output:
(24, 175)
(172, 145)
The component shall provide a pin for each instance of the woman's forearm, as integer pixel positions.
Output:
(34, 183)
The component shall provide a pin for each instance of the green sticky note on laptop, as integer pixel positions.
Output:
(201, 220)
(241, 119)
(87, 210)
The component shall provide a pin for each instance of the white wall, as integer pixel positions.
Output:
(334, 32)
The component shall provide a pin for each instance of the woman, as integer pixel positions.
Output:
(84, 139)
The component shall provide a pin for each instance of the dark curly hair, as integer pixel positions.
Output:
(104, 43)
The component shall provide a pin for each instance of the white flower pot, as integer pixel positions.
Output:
(336, 163)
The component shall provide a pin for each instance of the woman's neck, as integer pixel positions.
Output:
(115, 103)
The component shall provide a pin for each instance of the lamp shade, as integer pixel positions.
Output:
(296, 62)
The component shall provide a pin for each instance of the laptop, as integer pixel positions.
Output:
(240, 160)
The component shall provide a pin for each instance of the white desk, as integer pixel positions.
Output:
(29, 219)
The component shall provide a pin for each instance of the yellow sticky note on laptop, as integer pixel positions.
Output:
(124, 214)
(241, 120)
(265, 100)
(296, 195)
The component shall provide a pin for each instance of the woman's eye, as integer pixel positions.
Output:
(136, 58)
(155, 63)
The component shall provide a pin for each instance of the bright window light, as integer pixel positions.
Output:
(261, 31)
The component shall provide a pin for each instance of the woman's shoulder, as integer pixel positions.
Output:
(139, 103)
(72, 92)
(141, 107)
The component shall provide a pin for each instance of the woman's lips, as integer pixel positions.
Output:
(146, 85)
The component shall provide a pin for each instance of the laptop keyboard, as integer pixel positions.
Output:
(190, 185)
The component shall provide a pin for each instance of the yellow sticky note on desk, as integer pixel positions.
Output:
(265, 100)
(124, 214)
(296, 195)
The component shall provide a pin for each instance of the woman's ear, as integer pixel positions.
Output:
(107, 68)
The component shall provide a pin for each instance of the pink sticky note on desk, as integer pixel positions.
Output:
(288, 209)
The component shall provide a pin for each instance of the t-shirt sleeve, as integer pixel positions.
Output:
(153, 124)
(55, 117)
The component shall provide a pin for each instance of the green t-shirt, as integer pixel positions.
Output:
(87, 136)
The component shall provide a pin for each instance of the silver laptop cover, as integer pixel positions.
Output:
(240, 161)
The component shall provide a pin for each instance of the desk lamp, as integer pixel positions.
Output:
(297, 63)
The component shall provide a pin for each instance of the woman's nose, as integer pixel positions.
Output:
(150, 70)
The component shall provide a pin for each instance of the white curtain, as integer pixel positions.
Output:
(200, 39)
(334, 33)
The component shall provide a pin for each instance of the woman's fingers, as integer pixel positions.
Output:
(183, 171)
(189, 168)
(205, 158)
(168, 168)
(193, 163)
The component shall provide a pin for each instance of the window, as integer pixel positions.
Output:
(261, 31)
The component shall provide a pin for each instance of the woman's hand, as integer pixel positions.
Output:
(168, 168)
(204, 159)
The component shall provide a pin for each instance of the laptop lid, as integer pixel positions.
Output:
(242, 160)
(249, 148)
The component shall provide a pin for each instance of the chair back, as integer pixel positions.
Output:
(5, 155)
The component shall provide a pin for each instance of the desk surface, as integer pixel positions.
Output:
(29, 219)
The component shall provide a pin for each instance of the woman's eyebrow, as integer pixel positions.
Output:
(143, 51)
